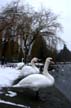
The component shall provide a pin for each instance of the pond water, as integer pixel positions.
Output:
(25, 99)
(14, 99)
(48, 98)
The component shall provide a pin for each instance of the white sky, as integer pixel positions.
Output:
(60, 7)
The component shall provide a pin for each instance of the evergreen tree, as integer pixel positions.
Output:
(64, 55)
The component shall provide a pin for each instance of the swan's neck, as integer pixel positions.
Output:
(32, 63)
(45, 69)
(22, 59)
(46, 73)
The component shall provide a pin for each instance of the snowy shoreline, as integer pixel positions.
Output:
(8, 75)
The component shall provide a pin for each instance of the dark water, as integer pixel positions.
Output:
(48, 98)
(63, 79)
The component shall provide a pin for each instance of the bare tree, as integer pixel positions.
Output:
(25, 24)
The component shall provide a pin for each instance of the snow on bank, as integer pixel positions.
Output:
(7, 76)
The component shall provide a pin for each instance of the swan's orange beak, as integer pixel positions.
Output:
(52, 62)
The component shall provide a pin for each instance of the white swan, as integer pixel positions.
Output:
(20, 64)
(30, 69)
(37, 81)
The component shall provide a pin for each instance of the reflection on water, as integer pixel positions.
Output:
(13, 104)
(14, 100)
(11, 94)
(49, 98)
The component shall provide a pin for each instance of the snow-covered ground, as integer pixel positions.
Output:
(7, 76)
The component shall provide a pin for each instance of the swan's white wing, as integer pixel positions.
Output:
(27, 70)
(34, 80)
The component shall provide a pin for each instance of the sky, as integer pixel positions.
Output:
(59, 7)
